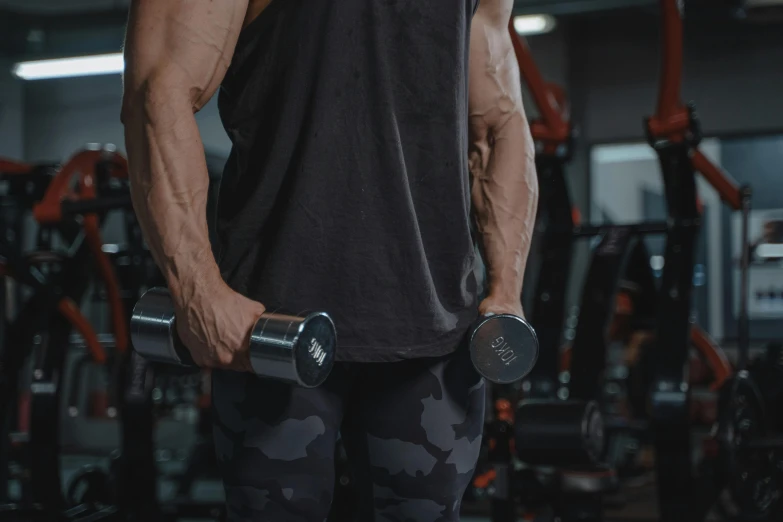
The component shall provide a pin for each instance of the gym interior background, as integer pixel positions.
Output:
(605, 55)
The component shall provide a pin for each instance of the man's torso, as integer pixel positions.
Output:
(347, 187)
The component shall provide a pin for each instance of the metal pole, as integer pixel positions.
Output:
(743, 333)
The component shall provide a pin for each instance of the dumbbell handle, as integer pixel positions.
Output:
(275, 346)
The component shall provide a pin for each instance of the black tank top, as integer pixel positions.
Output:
(347, 188)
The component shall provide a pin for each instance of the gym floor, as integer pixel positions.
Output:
(638, 497)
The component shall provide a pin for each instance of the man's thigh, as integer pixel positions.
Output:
(414, 438)
(275, 446)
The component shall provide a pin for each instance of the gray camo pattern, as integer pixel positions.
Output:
(412, 431)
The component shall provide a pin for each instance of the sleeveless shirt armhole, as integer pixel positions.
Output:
(255, 25)
(476, 6)
(246, 41)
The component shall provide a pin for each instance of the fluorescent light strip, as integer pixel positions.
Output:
(114, 63)
(70, 67)
(534, 24)
(770, 250)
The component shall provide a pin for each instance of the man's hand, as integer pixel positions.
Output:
(215, 325)
(501, 157)
(177, 53)
(496, 305)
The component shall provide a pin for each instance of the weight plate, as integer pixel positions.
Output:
(594, 436)
(89, 486)
(755, 475)
(756, 488)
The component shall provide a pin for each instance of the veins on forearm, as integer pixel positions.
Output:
(170, 201)
(502, 164)
(505, 100)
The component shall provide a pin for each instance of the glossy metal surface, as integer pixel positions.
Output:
(296, 350)
(503, 348)
(152, 328)
(293, 349)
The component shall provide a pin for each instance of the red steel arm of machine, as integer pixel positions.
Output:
(552, 129)
(714, 355)
(49, 211)
(673, 119)
(92, 229)
(721, 181)
(14, 167)
(71, 312)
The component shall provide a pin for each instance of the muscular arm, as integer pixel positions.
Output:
(502, 156)
(176, 54)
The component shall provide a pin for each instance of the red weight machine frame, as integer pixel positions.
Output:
(60, 201)
(8, 166)
(66, 307)
(50, 211)
(553, 128)
(673, 120)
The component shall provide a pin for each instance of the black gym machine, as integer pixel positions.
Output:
(740, 434)
(548, 454)
(23, 185)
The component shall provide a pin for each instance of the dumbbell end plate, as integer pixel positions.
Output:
(314, 351)
(503, 348)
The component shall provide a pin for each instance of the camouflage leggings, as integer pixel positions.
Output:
(412, 431)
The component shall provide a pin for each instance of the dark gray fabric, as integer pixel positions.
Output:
(347, 189)
(411, 429)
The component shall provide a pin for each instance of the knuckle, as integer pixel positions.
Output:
(225, 358)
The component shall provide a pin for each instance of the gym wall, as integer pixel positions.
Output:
(63, 115)
(757, 161)
(735, 80)
(11, 113)
(609, 65)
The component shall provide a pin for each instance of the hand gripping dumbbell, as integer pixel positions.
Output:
(503, 348)
(293, 349)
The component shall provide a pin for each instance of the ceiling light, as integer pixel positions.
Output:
(534, 24)
(70, 67)
(657, 262)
